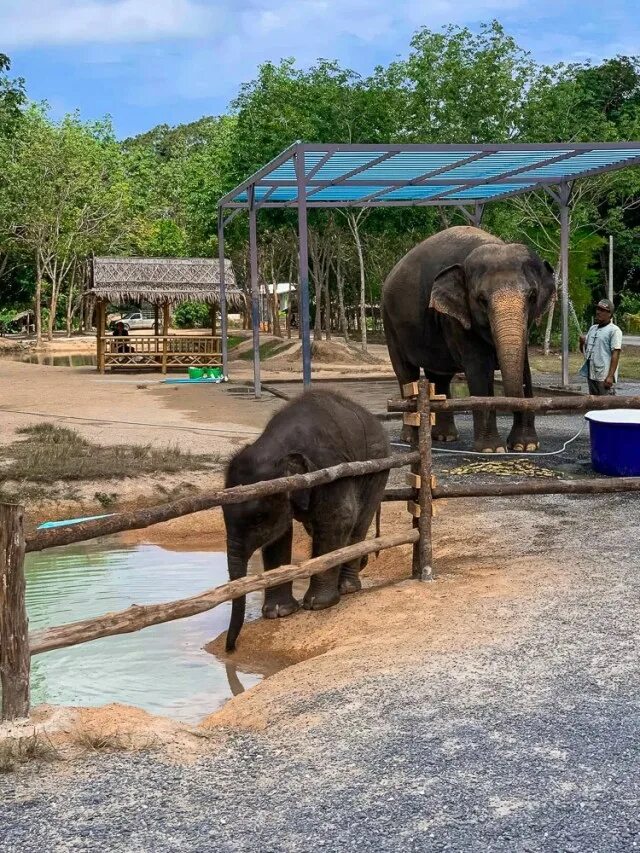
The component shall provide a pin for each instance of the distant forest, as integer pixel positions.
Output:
(70, 188)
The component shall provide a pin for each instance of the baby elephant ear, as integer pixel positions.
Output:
(297, 463)
(449, 295)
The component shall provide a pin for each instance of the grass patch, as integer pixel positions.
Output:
(629, 363)
(234, 340)
(17, 751)
(91, 740)
(48, 453)
(267, 350)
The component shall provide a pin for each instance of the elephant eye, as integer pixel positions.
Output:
(532, 296)
(482, 299)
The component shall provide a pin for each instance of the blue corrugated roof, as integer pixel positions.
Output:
(375, 175)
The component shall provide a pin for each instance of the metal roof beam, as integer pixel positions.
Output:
(505, 176)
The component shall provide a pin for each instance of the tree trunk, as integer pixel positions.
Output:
(547, 331)
(327, 308)
(363, 306)
(341, 313)
(276, 312)
(38, 305)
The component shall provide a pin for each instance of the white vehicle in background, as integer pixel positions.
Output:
(137, 320)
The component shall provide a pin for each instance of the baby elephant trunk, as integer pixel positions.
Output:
(237, 562)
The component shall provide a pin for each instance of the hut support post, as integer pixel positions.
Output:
(101, 316)
(156, 319)
(223, 294)
(165, 334)
(303, 280)
(15, 657)
(255, 296)
(212, 315)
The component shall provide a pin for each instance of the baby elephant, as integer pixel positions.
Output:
(317, 430)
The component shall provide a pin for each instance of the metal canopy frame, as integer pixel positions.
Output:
(318, 176)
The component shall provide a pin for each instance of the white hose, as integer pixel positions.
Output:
(494, 455)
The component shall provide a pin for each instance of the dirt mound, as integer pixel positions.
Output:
(334, 352)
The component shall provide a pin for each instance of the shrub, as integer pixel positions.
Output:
(191, 315)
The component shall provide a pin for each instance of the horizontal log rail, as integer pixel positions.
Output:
(141, 518)
(137, 616)
(591, 486)
(581, 403)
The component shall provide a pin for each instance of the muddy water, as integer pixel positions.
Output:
(162, 669)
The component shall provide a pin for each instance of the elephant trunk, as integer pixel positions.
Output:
(508, 317)
(237, 561)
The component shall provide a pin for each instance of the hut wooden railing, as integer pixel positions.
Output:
(418, 409)
(164, 351)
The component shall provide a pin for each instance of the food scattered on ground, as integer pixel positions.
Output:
(504, 468)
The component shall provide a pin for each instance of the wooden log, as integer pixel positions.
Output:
(536, 404)
(413, 508)
(165, 335)
(14, 639)
(138, 519)
(424, 557)
(539, 487)
(137, 617)
(413, 480)
(542, 405)
(391, 495)
(411, 419)
(410, 389)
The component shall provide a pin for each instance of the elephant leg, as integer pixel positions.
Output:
(279, 600)
(523, 437)
(445, 427)
(405, 372)
(324, 589)
(486, 438)
(370, 498)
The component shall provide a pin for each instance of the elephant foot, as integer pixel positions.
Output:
(439, 435)
(407, 434)
(320, 600)
(489, 445)
(523, 443)
(277, 610)
(349, 584)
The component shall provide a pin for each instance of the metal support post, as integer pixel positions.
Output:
(255, 295)
(564, 198)
(223, 295)
(478, 214)
(610, 282)
(303, 279)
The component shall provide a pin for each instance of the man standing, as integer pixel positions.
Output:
(601, 347)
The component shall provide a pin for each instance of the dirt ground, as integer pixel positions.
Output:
(391, 622)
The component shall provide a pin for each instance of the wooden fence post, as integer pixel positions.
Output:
(15, 659)
(421, 476)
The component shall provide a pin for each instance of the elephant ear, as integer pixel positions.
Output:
(449, 295)
(297, 463)
(546, 288)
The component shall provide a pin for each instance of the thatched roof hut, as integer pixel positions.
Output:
(163, 281)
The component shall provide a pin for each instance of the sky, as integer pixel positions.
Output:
(146, 62)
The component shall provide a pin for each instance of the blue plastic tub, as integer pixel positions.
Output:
(615, 442)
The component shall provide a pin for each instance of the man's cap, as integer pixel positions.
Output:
(607, 304)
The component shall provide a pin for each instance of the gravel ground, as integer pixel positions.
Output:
(524, 743)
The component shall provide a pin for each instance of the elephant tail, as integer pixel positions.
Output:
(378, 514)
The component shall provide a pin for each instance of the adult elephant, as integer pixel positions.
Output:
(317, 430)
(463, 300)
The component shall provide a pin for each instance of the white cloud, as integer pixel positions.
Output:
(44, 23)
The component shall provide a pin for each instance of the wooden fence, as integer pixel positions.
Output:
(418, 409)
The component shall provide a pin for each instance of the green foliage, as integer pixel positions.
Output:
(70, 189)
(191, 315)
